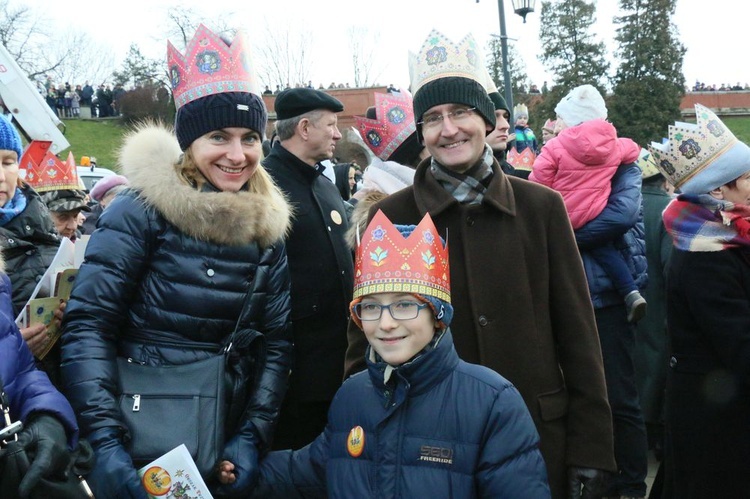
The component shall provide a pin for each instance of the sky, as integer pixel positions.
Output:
(714, 37)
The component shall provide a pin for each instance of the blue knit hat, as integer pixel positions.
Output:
(9, 138)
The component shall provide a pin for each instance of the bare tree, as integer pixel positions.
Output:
(362, 44)
(62, 53)
(184, 21)
(283, 56)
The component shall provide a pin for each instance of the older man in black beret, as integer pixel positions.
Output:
(320, 263)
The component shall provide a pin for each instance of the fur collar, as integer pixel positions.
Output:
(148, 156)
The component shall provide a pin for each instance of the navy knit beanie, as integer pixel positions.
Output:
(223, 110)
(9, 138)
(452, 90)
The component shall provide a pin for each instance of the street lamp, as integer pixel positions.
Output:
(520, 7)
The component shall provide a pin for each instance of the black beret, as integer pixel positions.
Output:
(295, 101)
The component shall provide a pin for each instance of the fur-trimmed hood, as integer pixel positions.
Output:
(148, 156)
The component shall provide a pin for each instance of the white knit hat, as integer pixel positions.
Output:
(583, 103)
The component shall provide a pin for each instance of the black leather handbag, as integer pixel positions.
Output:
(165, 406)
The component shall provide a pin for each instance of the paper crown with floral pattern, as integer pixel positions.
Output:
(388, 262)
(521, 160)
(393, 123)
(439, 57)
(698, 157)
(45, 172)
(210, 66)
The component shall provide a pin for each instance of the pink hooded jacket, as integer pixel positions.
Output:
(579, 163)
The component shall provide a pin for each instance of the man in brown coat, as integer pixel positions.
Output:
(520, 296)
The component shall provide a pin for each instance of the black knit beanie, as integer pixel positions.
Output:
(499, 101)
(452, 90)
(224, 110)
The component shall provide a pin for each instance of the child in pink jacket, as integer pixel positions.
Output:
(579, 163)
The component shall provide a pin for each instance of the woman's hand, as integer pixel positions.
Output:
(225, 473)
(36, 338)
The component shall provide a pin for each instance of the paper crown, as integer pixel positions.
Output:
(691, 147)
(440, 57)
(388, 262)
(647, 165)
(210, 66)
(520, 109)
(394, 123)
(549, 125)
(521, 160)
(45, 172)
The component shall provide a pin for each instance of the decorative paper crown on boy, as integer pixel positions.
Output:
(404, 259)
(691, 148)
(214, 86)
(443, 72)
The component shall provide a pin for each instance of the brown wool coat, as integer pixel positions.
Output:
(522, 308)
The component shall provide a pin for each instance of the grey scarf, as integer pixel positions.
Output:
(466, 188)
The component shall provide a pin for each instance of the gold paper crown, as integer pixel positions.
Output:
(690, 148)
(439, 57)
(520, 109)
(210, 66)
(388, 262)
(647, 165)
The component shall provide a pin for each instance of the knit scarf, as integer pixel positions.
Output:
(13, 207)
(704, 223)
(469, 187)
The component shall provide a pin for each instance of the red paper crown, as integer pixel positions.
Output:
(521, 160)
(386, 262)
(45, 171)
(393, 124)
(210, 66)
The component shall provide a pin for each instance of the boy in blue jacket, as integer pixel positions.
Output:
(420, 422)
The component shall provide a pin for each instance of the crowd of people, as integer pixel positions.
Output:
(448, 308)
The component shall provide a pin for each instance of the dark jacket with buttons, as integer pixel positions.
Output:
(29, 243)
(321, 268)
(164, 282)
(522, 308)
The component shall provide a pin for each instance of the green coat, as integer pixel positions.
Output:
(522, 308)
(652, 346)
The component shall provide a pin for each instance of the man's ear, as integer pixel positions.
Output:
(302, 127)
(717, 193)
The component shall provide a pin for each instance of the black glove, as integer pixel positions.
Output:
(586, 483)
(47, 449)
(242, 451)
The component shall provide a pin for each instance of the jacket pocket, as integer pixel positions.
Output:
(305, 306)
(553, 405)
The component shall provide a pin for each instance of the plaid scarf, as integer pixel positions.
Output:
(704, 223)
(466, 188)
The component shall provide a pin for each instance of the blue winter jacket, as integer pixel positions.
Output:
(621, 221)
(29, 390)
(438, 427)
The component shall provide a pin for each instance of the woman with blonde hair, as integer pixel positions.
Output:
(188, 260)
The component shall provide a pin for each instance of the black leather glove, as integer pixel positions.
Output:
(46, 446)
(586, 483)
(242, 451)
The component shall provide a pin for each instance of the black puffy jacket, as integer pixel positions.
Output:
(170, 265)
